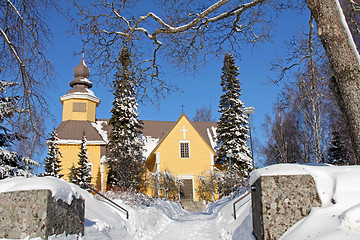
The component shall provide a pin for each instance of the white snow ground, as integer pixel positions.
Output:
(167, 220)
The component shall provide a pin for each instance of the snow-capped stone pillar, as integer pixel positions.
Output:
(279, 201)
(36, 213)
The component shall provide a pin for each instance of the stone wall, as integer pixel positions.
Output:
(278, 202)
(38, 214)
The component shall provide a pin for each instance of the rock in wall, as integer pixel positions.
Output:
(38, 214)
(278, 202)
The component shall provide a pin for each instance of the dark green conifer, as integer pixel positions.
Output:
(81, 175)
(52, 161)
(233, 125)
(125, 158)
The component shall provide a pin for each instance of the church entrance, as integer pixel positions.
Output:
(186, 191)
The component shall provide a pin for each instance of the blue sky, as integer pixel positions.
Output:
(198, 89)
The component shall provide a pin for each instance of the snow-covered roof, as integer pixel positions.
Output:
(74, 131)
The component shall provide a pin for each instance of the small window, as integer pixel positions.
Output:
(79, 107)
(184, 150)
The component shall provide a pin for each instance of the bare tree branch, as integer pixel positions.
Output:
(181, 33)
(23, 36)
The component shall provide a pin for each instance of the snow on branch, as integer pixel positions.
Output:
(347, 30)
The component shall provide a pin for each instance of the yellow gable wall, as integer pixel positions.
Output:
(70, 157)
(169, 149)
(88, 115)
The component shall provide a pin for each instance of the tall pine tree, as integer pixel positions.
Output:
(52, 161)
(81, 174)
(125, 158)
(11, 163)
(233, 125)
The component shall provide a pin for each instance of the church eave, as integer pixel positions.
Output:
(78, 95)
(78, 142)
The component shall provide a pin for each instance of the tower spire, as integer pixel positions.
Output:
(81, 74)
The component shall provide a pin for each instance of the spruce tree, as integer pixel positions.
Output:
(52, 161)
(337, 153)
(125, 158)
(233, 127)
(81, 175)
(11, 163)
(72, 174)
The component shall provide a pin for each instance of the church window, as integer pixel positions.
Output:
(184, 149)
(79, 107)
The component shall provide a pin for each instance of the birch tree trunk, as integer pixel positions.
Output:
(344, 61)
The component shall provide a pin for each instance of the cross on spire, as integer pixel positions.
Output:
(184, 131)
(182, 108)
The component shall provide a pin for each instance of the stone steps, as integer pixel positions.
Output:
(193, 206)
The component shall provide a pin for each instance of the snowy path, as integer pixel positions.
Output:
(191, 226)
(216, 223)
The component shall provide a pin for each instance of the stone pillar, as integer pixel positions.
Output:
(278, 202)
(38, 214)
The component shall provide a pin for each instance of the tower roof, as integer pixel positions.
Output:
(81, 74)
(80, 84)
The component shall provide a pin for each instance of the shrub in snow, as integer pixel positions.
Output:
(207, 185)
(125, 158)
(52, 161)
(81, 175)
(233, 125)
(220, 182)
(164, 184)
(11, 163)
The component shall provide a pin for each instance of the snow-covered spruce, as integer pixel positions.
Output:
(52, 161)
(233, 125)
(11, 163)
(337, 153)
(125, 158)
(81, 175)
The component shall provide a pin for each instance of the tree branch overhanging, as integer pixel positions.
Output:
(183, 35)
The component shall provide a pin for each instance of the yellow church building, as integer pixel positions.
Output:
(183, 148)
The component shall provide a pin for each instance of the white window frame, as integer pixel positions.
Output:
(184, 141)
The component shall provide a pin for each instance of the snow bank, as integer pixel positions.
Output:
(350, 219)
(337, 218)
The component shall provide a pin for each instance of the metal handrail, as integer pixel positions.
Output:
(241, 198)
(117, 205)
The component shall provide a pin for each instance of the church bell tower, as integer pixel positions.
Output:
(79, 103)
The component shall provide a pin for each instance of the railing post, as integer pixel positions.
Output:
(241, 198)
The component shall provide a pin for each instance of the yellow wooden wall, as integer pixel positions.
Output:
(70, 157)
(169, 149)
(68, 113)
